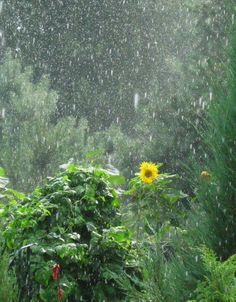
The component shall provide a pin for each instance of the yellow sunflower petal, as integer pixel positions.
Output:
(148, 172)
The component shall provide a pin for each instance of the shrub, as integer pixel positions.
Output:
(73, 221)
(220, 281)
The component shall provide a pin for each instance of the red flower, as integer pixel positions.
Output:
(59, 293)
(55, 271)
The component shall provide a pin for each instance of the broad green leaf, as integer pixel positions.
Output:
(116, 179)
(2, 172)
(17, 194)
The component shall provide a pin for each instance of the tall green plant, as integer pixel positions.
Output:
(212, 217)
(153, 206)
(218, 197)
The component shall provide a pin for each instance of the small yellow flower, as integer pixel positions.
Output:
(205, 174)
(148, 172)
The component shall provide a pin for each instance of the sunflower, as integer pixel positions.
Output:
(205, 174)
(148, 172)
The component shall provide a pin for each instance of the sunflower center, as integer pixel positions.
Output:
(148, 173)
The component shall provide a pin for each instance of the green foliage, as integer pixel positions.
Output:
(172, 55)
(8, 289)
(211, 220)
(73, 220)
(169, 54)
(116, 148)
(153, 206)
(220, 281)
(32, 145)
(154, 212)
(175, 112)
(217, 197)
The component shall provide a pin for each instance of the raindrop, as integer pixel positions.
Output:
(136, 101)
(211, 95)
(3, 113)
(200, 101)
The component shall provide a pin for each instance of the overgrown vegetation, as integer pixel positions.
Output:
(137, 81)
(8, 283)
(72, 221)
(220, 281)
(8, 288)
(121, 83)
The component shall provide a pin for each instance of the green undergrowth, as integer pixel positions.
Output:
(219, 284)
(8, 287)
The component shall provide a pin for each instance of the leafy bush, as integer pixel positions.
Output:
(73, 220)
(220, 281)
